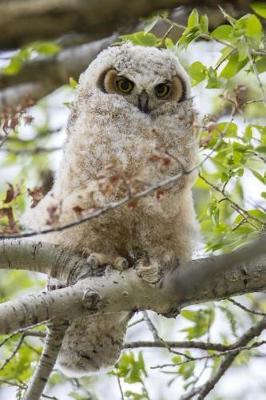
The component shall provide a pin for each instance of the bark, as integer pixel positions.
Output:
(48, 359)
(41, 257)
(30, 20)
(212, 278)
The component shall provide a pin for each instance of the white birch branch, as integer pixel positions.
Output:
(47, 361)
(212, 278)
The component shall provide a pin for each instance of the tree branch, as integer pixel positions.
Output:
(47, 361)
(29, 20)
(211, 278)
(205, 389)
(40, 257)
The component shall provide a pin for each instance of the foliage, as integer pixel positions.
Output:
(233, 145)
(27, 53)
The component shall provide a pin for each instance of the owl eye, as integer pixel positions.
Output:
(124, 85)
(162, 90)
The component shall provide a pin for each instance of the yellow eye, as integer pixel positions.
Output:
(124, 85)
(162, 90)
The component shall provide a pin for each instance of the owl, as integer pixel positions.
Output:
(131, 125)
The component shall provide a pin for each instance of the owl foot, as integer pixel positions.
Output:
(149, 273)
(120, 263)
(98, 259)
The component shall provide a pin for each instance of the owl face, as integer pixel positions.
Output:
(145, 77)
(146, 96)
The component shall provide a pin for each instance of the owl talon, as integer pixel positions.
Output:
(97, 259)
(121, 263)
(93, 260)
(149, 273)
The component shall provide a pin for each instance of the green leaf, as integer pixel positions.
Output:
(243, 50)
(188, 36)
(169, 44)
(193, 19)
(187, 369)
(230, 316)
(261, 149)
(16, 62)
(204, 24)
(25, 54)
(233, 66)
(190, 315)
(202, 320)
(176, 359)
(46, 48)
(73, 83)
(259, 7)
(130, 368)
(223, 32)
(228, 129)
(197, 72)
(260, 177)
(250, 26)
(261, 64)
(76, 396)
(141, 39)
(213, 81)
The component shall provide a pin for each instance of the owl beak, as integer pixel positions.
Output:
(143, 102)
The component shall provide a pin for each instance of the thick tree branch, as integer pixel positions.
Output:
(30, 20)
(217, 276)
(198, 281)
(40, 257)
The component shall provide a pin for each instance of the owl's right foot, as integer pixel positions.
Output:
(149, 273)
(100, 259)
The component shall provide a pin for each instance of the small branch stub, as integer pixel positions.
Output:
(91, 300)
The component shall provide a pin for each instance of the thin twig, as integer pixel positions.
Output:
(236, 303)
(233, 203)
(211, 356)
(14, 352)
(157, 337)
(256, 72)
(120, 388)
(135, 323)
(242, 342)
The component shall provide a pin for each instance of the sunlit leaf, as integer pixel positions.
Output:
(233, 66)
(259, 7)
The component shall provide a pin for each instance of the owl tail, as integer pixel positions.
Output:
(93, 343)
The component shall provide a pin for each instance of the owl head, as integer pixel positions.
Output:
(145, 77)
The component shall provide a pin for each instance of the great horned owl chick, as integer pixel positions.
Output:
(131, 125)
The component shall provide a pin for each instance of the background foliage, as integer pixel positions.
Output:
(229, 198)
